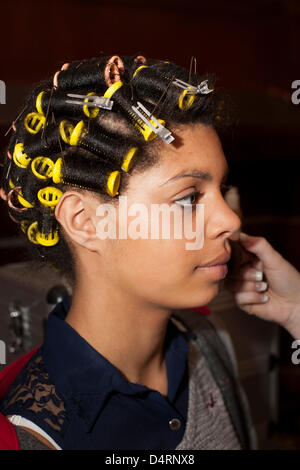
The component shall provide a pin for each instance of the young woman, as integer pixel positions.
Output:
(118, 369)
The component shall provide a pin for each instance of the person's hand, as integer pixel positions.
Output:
(274, 294)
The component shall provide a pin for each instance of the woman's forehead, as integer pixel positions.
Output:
(200, 154)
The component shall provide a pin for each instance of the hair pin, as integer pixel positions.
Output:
(159, 130)
(91, 100)
(190, 89)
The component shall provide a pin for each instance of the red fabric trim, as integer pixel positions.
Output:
(202, 310)
(8, 435)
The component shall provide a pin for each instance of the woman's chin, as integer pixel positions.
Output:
(210, 293)
(203, 295)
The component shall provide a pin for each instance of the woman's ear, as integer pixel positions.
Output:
(75, 212)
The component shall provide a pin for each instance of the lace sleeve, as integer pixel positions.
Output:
(33, 396)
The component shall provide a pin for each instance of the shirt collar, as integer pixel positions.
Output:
(84, 377)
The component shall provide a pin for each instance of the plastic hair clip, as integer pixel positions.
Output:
(191, 89)
(156, 125)
(30, 122)
(19, 156)
(91, 100)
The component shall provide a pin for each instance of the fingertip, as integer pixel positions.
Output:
(244, 237)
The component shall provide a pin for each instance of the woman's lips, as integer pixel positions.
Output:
(218, 271)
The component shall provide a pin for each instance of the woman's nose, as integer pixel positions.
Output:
(222, 221)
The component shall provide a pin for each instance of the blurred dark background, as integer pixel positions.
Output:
(252, 47)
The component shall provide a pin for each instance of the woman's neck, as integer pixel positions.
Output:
(127, 332)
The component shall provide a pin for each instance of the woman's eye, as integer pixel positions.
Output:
(192, 196)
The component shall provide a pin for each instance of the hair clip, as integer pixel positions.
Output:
(159, 130)
(191, 89)
(91, 100)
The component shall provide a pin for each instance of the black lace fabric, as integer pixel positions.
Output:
(32, 395)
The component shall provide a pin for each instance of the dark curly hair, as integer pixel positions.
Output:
(57, 145)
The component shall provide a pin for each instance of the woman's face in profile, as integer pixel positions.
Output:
(163, 270)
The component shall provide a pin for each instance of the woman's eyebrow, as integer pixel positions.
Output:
(203, 175)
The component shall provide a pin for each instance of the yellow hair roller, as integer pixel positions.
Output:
(32, 232)
(56, 172)
(112, 89)
(42, 167)
(38, 102)
(78, 133)
(65, 130)
(113, 183)
(139, 69)
(24, 225)
(49, 196)
(92, 112)
(19, 156)
(30, 121)
(185, 100)
(47, 240)
(129, 158)
(23, 201)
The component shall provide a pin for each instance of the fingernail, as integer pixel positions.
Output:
(264, 298)
(258, 275)
(260, 286)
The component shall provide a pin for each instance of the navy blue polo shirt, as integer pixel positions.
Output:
(104, 410)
